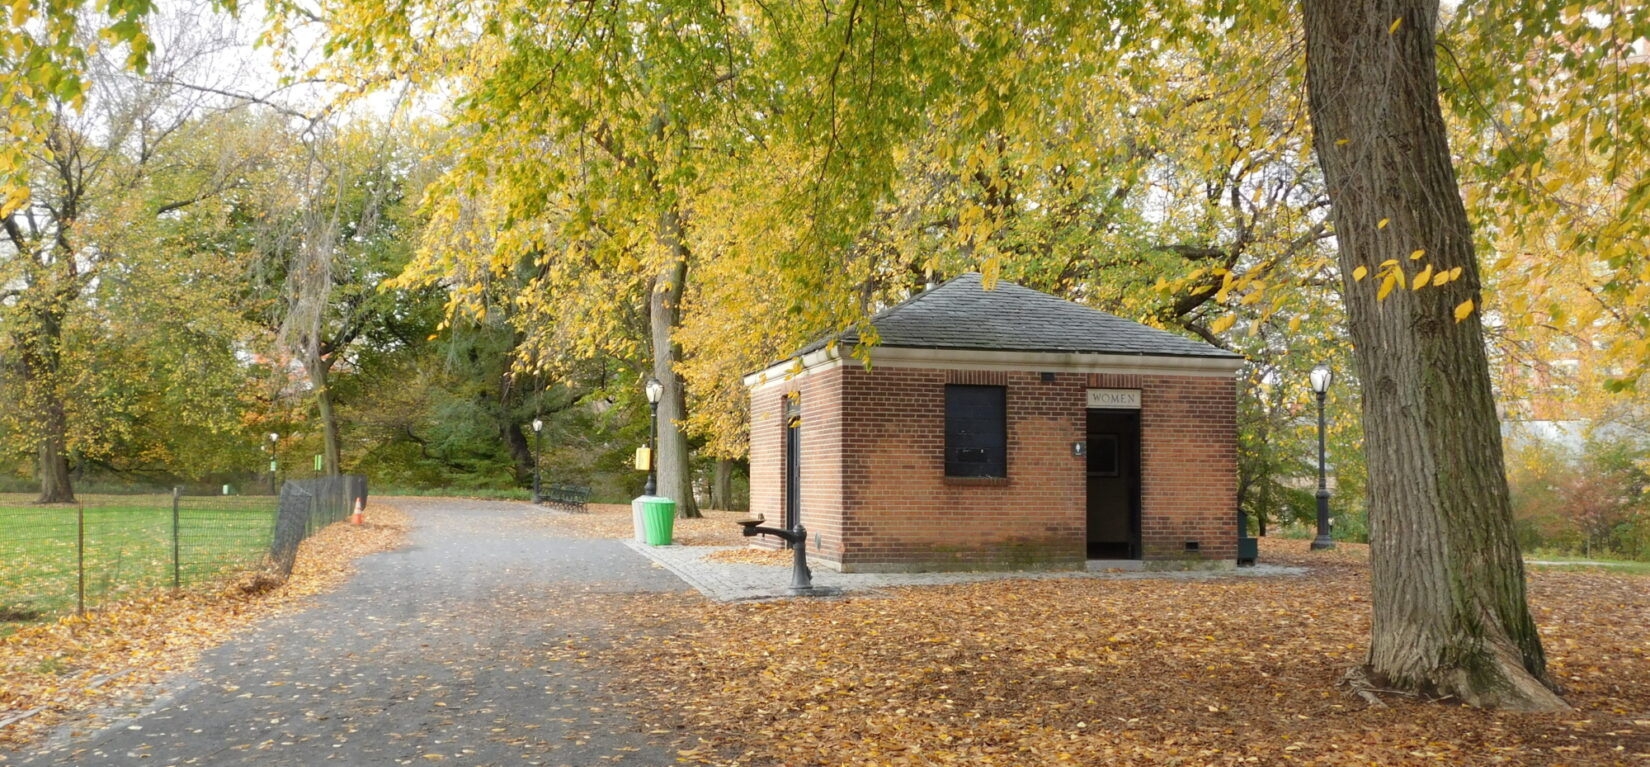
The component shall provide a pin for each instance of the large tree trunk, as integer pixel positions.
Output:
(1450, 615)
(42, 361)
(55, 485)
(515, 437)
(721, 485)
(664, 312)
(521, 451)
(320, 376)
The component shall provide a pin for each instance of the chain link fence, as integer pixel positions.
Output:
(306, 506)
(67, 558)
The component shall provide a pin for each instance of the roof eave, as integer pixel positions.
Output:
(1217, 352)
(965, 358)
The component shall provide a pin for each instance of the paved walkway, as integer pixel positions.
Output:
(434, 653)
(1576, 563)
(733, 581)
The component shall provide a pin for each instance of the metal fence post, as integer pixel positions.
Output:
(177, 573)
(80, 559)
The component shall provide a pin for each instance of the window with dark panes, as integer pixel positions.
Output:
(976, 431)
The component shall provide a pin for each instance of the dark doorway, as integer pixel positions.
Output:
(1114, 484)
(793, 465)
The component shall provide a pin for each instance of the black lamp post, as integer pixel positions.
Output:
(654, 391)
(273, 438)
(1321, 377)
(538, 455)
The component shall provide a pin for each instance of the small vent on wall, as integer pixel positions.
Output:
(1191, 545)
(1048, 378)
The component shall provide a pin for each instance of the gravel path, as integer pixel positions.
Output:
(434, 653)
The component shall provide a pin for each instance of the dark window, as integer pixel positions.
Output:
(976, 431)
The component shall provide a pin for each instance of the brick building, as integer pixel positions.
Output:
(1001, 429)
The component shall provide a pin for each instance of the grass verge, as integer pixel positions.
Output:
(129, 544)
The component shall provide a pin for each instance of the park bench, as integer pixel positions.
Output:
(569, 497)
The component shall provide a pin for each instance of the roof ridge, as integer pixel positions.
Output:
(1013, 317)
(1052, 298)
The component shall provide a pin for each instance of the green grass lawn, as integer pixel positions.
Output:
(128, 548)
(1603, 564)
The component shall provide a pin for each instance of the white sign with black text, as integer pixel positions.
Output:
(1114, 399)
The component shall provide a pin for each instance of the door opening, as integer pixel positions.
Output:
(1113, 484)
(793, 466)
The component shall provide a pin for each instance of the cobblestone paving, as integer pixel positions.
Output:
(731, 581)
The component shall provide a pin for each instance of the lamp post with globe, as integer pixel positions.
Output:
(538, 455)
(1321, 377)
(654, 391)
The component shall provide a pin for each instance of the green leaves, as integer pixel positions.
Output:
(47, 56)
(68, 87)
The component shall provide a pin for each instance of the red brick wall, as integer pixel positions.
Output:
(874, 485)
(819, 397)
(902, 512)
(1188, 446)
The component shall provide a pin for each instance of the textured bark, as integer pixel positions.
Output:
(42, 366)
(514, 436)
(664, 313)
(721, 485)
(1450, 615)
(320, 375)
(55, 485)
(521, 450)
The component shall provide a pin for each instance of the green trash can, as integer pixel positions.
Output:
(658, 519)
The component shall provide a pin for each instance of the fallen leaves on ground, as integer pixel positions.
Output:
(1114, 672)
(773, 557)
(612, 520)
(1285, 551)
(75, 664)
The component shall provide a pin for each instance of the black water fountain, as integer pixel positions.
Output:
(802, 579)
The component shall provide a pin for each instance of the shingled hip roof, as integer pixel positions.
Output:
(962, 314)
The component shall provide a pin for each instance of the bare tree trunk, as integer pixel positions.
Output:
(40, 354)
(55, 485)
(721, 485)
(320, 374)
(664, 312)
(521, 453)
(1450, 615)
(510, 432)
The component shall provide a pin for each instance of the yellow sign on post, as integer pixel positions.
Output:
(643, 459)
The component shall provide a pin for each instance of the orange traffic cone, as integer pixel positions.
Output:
(360, 508)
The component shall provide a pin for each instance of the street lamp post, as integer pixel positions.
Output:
(273, 437)
(1321, 377)
(538, 455)
(654, 391)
